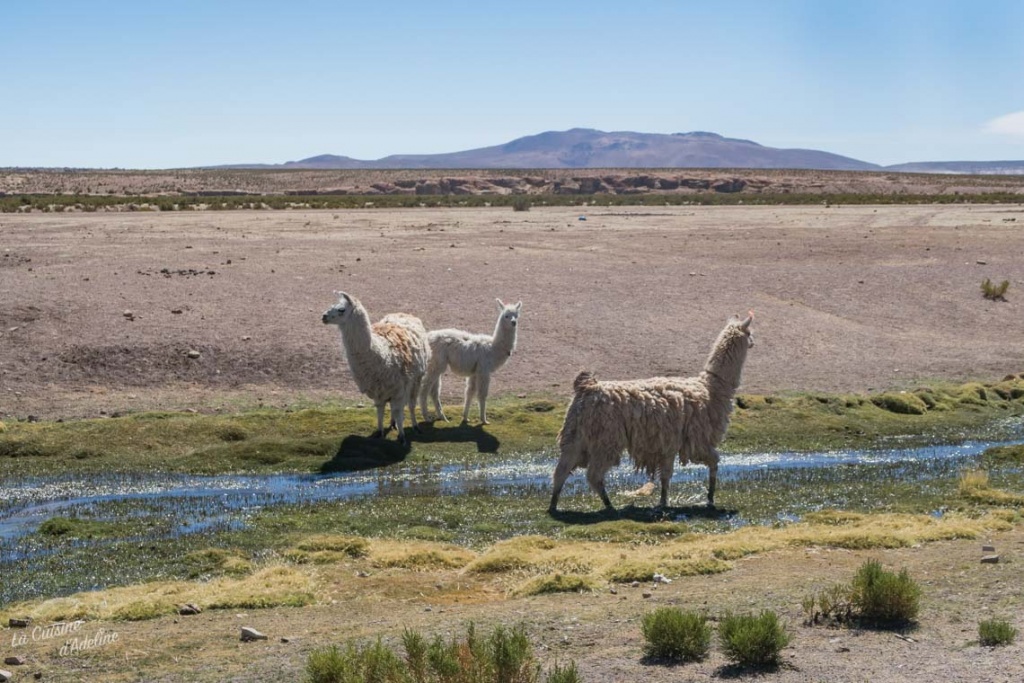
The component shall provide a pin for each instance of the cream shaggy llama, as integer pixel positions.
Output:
(653, 419)
(388, 359)
(473, 356)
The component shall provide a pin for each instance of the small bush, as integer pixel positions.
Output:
(994, 292)
(505, 656)
(753, 641)
(884, 597)
(521, 203)
(671, 633)
(563, 674)
(993, 632)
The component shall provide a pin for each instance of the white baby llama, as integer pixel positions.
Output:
(653, 419)
(388, 359)
(473, 356)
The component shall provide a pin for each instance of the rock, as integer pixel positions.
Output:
(129, 314)
(250, 634)
(613, 591)
(188, 609)
(988, 548)
(176, 311)
(287, 640)
(5, 675)
(661, 578)
(982, 263)
(647, 594)
(192, 353)
(990, 559)
(19, 623)
(635, 584)
(15, 661)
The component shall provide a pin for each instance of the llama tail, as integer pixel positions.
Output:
(584, 380)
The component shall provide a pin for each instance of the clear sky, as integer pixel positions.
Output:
(169, 83)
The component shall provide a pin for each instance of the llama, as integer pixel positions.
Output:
(653, 419)
(388, 359)
(473, 356)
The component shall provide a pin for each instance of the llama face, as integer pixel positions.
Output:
(744, 327)
(509, 313)
(339, 312)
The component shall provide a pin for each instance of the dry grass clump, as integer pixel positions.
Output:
(274, 586)
(557, 583)
(974, 486)
(217, 561)
(420, 556)
(327, 549)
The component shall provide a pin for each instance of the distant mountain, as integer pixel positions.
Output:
(587, 148)
(961, 167)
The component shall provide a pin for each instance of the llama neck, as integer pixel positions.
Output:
(356, 333)
(504, 341)
(725, 364)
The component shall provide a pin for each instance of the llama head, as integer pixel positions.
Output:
(341, 312)
(508, 313)
(742, 327)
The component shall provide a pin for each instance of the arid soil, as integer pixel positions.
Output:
(98, 312)
(600, 631)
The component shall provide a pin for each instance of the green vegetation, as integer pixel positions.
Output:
(505, 656)
(875, 597)
(995, 632)
(312, 200)
(329, 438)
(993, 291)
(753, 641)
(521, 202)
(672, 634)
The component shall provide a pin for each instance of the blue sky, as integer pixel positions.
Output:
(184, 83)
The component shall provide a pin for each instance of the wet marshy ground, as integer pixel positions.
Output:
(64, 534)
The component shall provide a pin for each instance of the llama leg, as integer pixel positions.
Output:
(595, 477)
(380, 421)
(483, 382)
(470, 390)
(562, 472)
(398, 415)
(712, 478)
(414, 392)
(666, 477)
(436, 393)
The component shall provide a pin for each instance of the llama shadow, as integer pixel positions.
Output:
(357, 453)
(461, 433)
(644, 514)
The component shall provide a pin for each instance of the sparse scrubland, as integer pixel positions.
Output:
(802, 572)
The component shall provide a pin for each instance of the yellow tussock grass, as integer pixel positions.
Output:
(420, 556)
(270, 587)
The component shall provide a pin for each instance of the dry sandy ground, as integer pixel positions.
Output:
(600, 631)
(846, 298)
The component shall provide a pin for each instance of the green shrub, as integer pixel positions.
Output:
(563, 674)
(521, 203)
(505, 656)
(884, 597)
(671, 633)
(993, 632)
(753, 641)
(993, 291)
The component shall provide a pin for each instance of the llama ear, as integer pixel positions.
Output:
(501, 304)
(343, 295)
(750, 318)
(519, 306)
